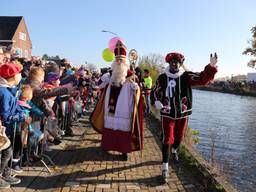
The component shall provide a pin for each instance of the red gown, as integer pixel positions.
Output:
(116, 140)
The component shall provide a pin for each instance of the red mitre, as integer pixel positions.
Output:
(120, 50)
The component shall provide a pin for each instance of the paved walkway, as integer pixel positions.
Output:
(83, 166)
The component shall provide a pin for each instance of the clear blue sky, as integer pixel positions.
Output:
(72, 29)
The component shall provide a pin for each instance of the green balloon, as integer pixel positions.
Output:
(108, 55)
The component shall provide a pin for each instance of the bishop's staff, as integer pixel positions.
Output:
(133, 57)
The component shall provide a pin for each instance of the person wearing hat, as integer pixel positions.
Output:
(116, 114)
(52, 80)
(72, 77)
(10, 114)
(172, 95)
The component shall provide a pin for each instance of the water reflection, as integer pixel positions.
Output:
(228, 121)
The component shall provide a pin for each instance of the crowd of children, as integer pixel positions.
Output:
(37, 98)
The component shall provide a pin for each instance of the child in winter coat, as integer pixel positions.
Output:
(29, 135)
(52, 81)
(41, 94)
(11, 114)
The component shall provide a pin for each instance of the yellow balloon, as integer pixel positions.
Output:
(108, 55)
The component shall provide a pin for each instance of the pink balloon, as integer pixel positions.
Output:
(112, 43)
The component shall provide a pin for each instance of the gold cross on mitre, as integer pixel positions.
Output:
(120, 49)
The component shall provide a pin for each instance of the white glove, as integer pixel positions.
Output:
(134, 86)
(105, 77)
(213, 59)
(158, 105)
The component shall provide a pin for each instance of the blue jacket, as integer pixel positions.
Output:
(10, 111)
(35, 109)
(28, 107)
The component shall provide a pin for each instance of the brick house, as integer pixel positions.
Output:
(14, 36)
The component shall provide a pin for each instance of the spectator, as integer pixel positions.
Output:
(147, 88)
(10, 113)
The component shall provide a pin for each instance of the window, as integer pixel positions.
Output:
(22, 36)
(18, 52)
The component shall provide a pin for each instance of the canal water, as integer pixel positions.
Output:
(227, 125)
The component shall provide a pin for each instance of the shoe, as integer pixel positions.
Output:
(175, 157)
(58, 137)
(4, 184)
(55, 141)
(12, 180)
(16, 167)
(85, 112)
(124, 157)
(27, 163)
(62, 132)
(69, 133)
(79, 115)
(35, 158)
(165, 174)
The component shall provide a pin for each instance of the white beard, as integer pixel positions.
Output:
(119, 73)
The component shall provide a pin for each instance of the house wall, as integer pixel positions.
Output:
(22, 41)
(251, 77)
(239, 78)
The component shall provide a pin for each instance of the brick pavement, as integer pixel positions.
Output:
(83, 166)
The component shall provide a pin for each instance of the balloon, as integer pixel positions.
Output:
(113, 41)
(108, 55)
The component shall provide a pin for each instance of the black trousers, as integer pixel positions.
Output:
(6, 155)
(166, 150)
(17, 146)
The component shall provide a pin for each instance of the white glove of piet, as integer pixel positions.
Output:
(213, 59)
(158, 105)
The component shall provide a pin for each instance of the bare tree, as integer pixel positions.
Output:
(46, 56)
(252, 49)
(91, 66)
(153, 62)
